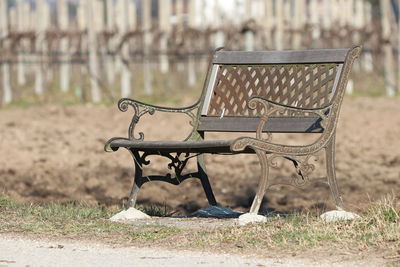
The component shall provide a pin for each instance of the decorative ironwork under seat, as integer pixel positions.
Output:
(262, 92)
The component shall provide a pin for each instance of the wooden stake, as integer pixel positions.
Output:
(165, 12)
(93, 59)
(316, 31)
(146, 27)
(179, 12)
(110, 66)
(279, 25)
(42, 18)
(298, 22)
(387, 48)
(63, 22)
(7, 92)
(268, 23)
(20, 28)
(122, 20)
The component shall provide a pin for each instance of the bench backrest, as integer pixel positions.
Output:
(308, 79)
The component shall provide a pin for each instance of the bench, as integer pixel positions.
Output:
(257, 93)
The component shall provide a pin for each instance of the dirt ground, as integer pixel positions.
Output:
(52, 153)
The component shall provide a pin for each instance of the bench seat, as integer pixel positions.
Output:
(203, 146)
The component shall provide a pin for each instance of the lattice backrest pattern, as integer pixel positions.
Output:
(296, 85)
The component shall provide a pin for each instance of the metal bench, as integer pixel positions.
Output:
(261, 92)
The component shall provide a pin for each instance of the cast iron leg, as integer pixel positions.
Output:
(262, 187)
(137, 182)
(204, 180)
(330, 172)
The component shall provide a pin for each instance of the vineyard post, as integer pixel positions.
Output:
(63, 23)
(4, 61)
(191, 48)
(110, 46)
(147, 38)
(268, 23)
(42, 13)
(92, 45)
(387, 47)
(122, 11)
(164, 16)
(21, 79)
(279, 25)
(298, 23)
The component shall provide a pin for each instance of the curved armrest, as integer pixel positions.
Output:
(141, 109)
(123, 104)
(271, 108)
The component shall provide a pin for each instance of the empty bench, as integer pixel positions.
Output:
(260, 92)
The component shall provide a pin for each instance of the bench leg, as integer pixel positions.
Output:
(136, 185)
(330, 171)
(205, 181)
(262, 187)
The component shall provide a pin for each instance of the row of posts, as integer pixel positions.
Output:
(121, 16)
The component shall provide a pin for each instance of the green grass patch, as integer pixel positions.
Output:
(379, 228)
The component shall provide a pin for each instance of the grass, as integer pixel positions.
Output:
(378, 229)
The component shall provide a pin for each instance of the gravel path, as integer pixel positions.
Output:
(24, 252)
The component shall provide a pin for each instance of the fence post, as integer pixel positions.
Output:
(387, 47)
(21, 45)
(165, 12)
(146, 27)
(110, 46)
(298, 23)
(279, 24)
(268, 23)
(42, 17)
(63, 22)
(92, 44)
(191, 60)
(122, 11)
(7, 92)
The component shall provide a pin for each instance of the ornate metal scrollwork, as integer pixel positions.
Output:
(177, 164)
(302, 165)
(141, 109)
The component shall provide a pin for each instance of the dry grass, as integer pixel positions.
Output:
(379, 229)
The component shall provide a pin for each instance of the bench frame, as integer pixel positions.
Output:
(272, 117)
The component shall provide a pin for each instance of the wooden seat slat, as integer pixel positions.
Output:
(273, 125)
(281, 57)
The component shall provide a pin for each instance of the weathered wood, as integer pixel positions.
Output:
(146, 28)
(43, 19)
(283, 57)
(387, 47)
(230, 93)
(298, 23)
(111, 45)
(165, 11)
(249, 124)
(21, 28)
(63, 23)
(93, 58)
(279, 14)
(122, 21)
(5, 66)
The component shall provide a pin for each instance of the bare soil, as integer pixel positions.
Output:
(55, 153)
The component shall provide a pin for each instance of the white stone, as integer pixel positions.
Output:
(128, 215)
(338, 215)
(251, 218)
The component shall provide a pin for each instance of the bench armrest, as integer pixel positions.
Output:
(140, 109)
(271, 108)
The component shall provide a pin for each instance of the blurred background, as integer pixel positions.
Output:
(101, 50)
